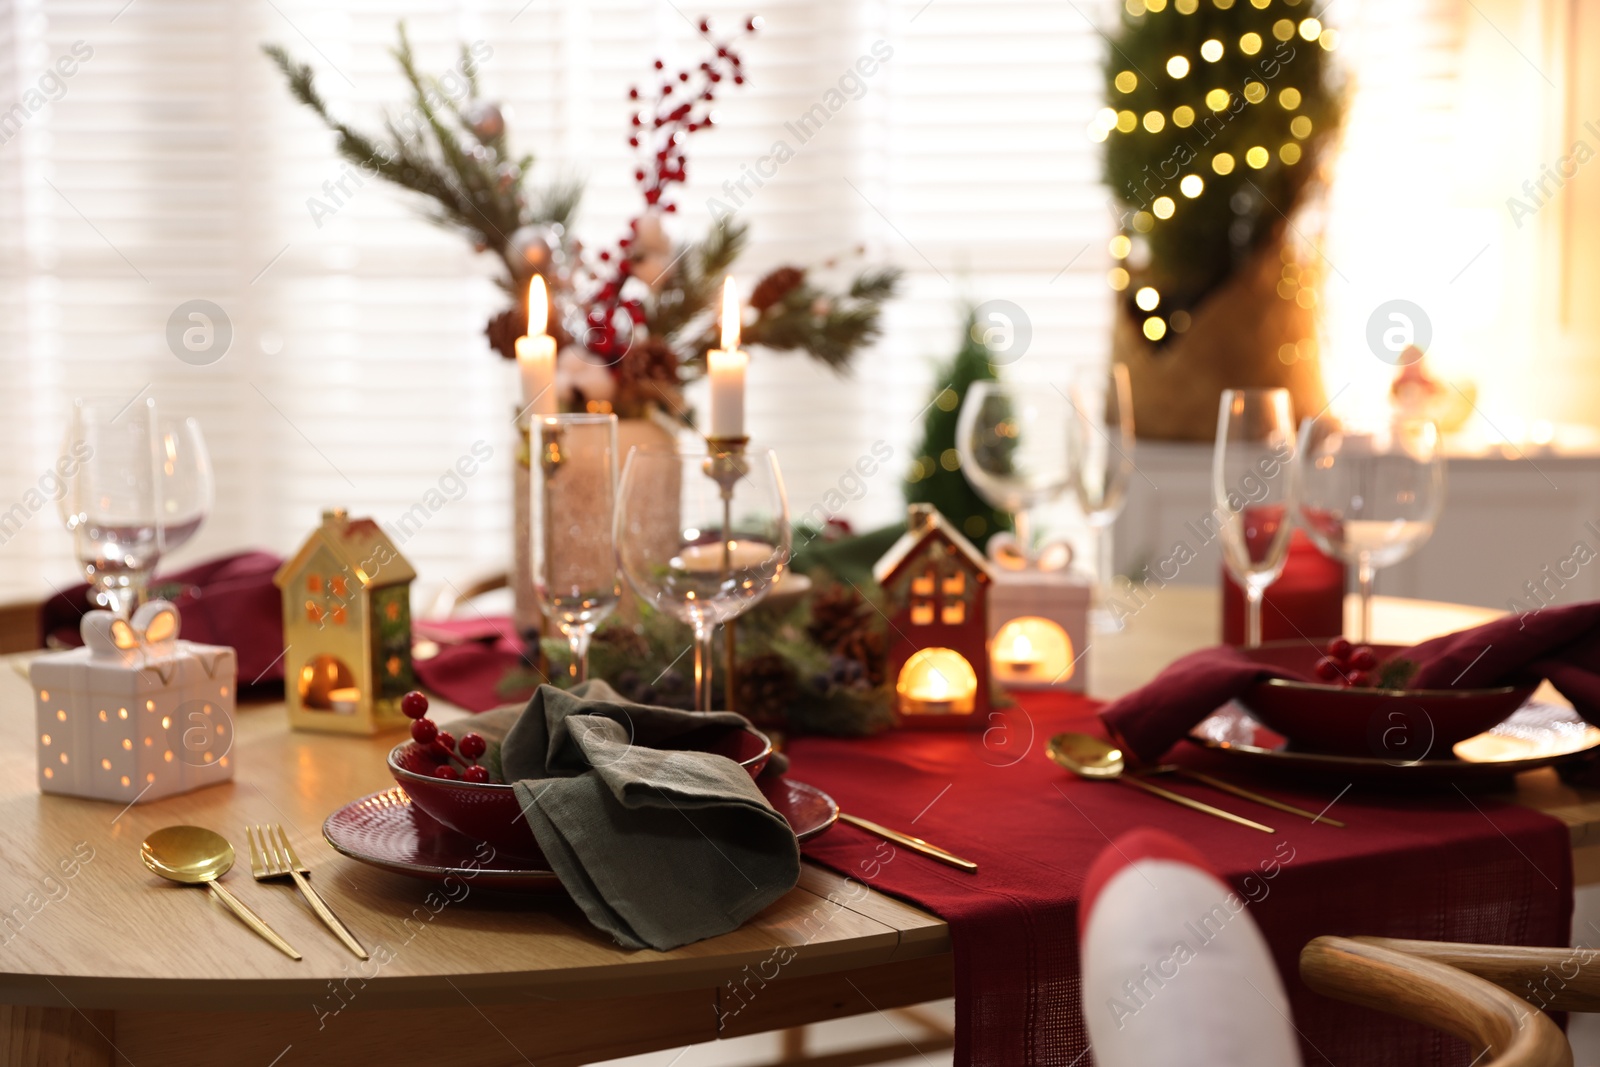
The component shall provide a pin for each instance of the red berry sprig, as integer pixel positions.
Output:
(442, 745)
(1347, 665)
(680, 105)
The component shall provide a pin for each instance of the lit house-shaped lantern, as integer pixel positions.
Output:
(936, 584)
(135, 714)
(347, 625)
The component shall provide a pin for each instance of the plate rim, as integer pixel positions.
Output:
(542, 875)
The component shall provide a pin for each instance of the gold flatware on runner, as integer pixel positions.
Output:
(916, 844)
(1240, 791)
(270, 859)
(1090, 757)
(193, 855)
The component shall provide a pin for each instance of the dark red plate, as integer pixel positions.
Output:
(1535, 735)
(386, 830)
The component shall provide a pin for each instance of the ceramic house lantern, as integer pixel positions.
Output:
(937, 587)
(136, 714)
(1039, 626)
(347, 625)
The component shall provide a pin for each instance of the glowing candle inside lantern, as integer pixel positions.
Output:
(536, 354)
(1020, 656)
(726, 368)
(345, 701)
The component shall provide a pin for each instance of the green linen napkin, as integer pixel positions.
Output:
(659, 847)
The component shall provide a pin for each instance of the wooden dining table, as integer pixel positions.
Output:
(110, 965)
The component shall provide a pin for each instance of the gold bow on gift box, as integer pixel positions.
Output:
(153, 632)
(1007, 554)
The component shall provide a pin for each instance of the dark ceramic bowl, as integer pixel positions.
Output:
(490, 812)
(1402, 724)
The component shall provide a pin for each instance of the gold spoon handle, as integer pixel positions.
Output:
(326, 914)
(1189, 802)
(251, 919)
(916, 844)
(1245, 794)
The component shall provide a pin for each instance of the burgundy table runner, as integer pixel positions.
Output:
(1442, 866)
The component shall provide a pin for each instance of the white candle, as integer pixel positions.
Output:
(536, 354)
(726, 368)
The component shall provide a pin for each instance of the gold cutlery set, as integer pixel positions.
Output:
(193, 855)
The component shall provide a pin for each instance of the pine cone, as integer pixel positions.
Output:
(767, 687)
(836, 611)
(869, 647)
(775, 286)
(504, 329)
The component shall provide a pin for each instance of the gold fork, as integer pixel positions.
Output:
(270, 860)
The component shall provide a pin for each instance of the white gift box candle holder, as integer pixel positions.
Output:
(1039, 629)
(135, 714)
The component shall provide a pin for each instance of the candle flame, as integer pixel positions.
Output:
(938, 685)
(538, 307)
(730, 315)
(1021, 647)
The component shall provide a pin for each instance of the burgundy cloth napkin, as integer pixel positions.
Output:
(227, 601)
(1436, 867)
(1560, 644)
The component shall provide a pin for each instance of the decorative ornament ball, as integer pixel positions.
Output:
(535, 248)
(485, 119)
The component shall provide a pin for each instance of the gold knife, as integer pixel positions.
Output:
(916, 844)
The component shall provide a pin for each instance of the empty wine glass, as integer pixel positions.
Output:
(1370, 497)
(1253, 488)
(573, 518)
(188, 489)
(112, 503)
(1012, 443)
(1100, 452)
(729, 541)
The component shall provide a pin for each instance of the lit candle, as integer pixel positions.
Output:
(345, 701)
(726, 368)
(1020, 657)
(536, 354)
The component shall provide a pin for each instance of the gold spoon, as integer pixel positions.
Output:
(1092, 758)
(193, 855)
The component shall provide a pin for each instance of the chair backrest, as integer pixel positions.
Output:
(1369, 972)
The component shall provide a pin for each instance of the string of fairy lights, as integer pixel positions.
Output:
(1217, 66)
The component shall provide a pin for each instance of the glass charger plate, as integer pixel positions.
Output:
(1536, 735)
(387, 831)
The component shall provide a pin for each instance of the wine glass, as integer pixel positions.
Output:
(1253, 488)
(573, 517)
(112, 503)
(1100, 453)
(1370, 497)
(188, 488)
(1012, 443)
(729, 538)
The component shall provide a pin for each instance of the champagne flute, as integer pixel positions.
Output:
(573, 517)
(1100, 449)
(1370, 497)
(1012, 443)
(729, 538)
(112, 503)
(1253, 488)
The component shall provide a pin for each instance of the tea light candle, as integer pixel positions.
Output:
(345, 701)
(726, 368)
(1019, 656)
(536, 354)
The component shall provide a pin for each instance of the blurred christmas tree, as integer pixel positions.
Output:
(935, 478)
(1219, 112)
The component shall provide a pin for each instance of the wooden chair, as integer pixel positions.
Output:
(1491, 996)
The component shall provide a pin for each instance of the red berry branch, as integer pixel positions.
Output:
(680, 105)
(441, 745)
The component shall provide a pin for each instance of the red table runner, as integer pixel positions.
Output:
(1443, 866)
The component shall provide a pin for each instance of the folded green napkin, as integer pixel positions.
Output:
(658, 847)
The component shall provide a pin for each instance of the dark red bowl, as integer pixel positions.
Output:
(490, 812)
(1399, 724)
